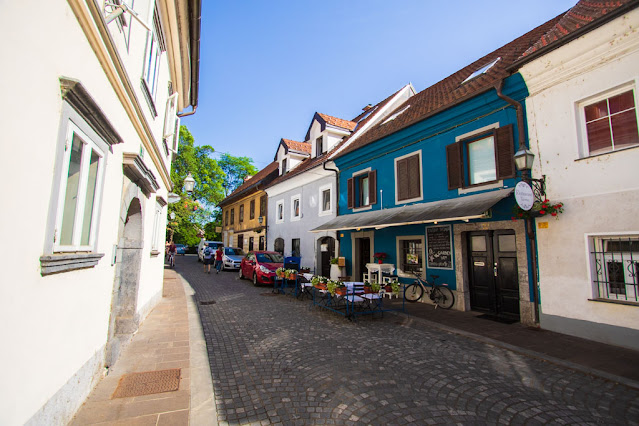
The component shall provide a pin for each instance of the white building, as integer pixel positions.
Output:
(89, 131)
(582, 118)
(305, 195)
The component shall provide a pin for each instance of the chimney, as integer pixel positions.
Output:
(367, 107)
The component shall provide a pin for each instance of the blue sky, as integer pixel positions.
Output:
(267, 66)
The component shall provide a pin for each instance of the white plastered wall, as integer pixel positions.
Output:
(56, 326)
(600, 194)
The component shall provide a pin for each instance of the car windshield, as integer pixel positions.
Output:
(230, 251)
(269, 258)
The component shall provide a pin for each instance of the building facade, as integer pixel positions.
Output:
(99, 89)
(582, 116)
(244, 212)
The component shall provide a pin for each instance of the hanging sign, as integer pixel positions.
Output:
(524, 196)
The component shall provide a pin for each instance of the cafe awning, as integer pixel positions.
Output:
(461, 208)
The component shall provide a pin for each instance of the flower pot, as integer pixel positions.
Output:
(340, 291)
(292, 277)
(320, 286)
(388, 289)
(368, 289)
(380, 261)
(335, 272)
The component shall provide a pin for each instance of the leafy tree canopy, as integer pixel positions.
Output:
(235, 170)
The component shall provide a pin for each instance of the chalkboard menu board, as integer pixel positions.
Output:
(439, 247)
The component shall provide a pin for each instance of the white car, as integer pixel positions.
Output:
(200, 248)
(232, 258)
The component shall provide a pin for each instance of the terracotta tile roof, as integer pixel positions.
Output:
(338, 122)
(582, 14)
(310, 163)
(264, 177)
(450, 91)
(297, 146)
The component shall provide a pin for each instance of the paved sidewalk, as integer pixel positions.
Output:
(170, 337)
(599, 359)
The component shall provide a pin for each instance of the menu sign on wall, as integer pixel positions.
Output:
(439, 247)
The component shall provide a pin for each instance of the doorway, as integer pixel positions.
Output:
(327, 252)
(493, 273)
(363, 256)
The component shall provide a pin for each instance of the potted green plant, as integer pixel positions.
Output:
(335, 269)
(380, 257)
(392, 287)
(539, 208)
(280, 272)
(367, 287)
(290, 274)
(340, 289)
(375, 287)
(319, 282)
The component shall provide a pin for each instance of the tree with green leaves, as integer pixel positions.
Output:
(235, 170)
(197, 214)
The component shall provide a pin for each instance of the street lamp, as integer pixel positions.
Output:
(524, 159)
(189, 183)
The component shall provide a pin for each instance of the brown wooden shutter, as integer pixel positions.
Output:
(413, 176)
(504, 152)
(350, 194)
(402, 179)
(372, 187)
(454, 165)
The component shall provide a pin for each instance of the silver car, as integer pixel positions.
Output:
(232, 258)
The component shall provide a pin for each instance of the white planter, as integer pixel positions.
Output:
(336, 272)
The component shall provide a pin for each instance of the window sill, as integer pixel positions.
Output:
(481, 187)
(363, 208)
(615, 301)
(606, 153)
(58, 263)
(155, 253)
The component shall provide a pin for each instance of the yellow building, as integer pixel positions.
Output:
(244, 212)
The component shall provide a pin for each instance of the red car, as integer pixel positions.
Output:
(260, 266)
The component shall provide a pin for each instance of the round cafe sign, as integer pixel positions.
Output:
(524, 196)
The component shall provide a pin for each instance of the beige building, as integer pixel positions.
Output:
(244, 212)
(93, 93)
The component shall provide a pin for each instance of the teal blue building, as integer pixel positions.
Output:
(431, 187)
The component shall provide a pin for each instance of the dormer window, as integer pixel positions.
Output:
(283, 166)
(482, 70)
(319, 146)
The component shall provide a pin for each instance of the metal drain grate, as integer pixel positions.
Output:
(207, 302)
(149, 382)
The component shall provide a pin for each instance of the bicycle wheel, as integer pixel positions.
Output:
(413, 292)
(443, 297)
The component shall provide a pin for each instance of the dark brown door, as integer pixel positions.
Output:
(494, 282)
(327, 250)
(363, 250)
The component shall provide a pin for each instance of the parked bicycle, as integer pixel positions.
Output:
(440, 294)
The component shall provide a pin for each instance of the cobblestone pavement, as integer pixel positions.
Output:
(278, 360)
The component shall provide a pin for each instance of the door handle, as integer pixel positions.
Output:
(495, 269)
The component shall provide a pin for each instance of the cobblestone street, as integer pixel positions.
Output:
(278, 360)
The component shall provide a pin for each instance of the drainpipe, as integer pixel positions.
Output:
(336, 198)
(530, 226)
(186, 114)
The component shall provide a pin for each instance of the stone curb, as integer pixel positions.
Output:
(203, 410)
(527, 352)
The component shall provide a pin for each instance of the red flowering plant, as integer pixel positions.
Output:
(380, 256)
(539, 208)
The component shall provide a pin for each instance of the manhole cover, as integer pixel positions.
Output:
(207, 302)
(149, 382)
(268, 294)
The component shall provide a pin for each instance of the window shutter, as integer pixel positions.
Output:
(169, 116)
(454, 166)
(413, 176)
(505, 151)
(402, 179)
(372, 187)
(351, 193)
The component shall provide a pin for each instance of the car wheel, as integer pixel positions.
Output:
(240, 274)
(255, 283)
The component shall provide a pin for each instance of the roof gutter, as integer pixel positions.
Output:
(573, 35)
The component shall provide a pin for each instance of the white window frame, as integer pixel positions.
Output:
(398, 247)
(279, 207)
(421, 179)
(72, 129)
(321, 190)
(298, 198)
(594, 243)
(355, 176)
(152, 61)
(483, 187)
(157, 228)
(582, 132)
(170, 117)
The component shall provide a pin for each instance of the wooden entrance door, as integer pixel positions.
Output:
(494, 280)
(363, 256)
(327, 251)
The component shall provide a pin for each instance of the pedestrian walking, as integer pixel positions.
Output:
(208, 258)
(219, 253)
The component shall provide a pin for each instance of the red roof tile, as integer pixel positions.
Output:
(297, 146)
(582, 14)
(338, 122)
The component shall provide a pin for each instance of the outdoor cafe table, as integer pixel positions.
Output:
(354, 303)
